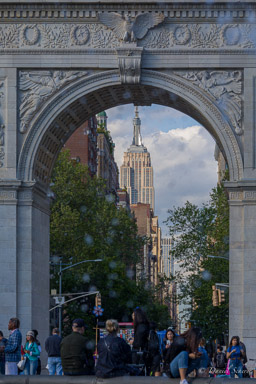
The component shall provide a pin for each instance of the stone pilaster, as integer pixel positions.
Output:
(24, 256)
(242, 266)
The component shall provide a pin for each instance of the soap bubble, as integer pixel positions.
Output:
(88, 239)
(206, 275)
(84, 307)
(112, 264)
(86, 278)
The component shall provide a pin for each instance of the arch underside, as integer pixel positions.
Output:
(74, 113)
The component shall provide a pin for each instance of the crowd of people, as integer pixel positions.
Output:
(176, 357)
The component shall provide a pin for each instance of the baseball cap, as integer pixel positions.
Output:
(30, 333)
(79, 323)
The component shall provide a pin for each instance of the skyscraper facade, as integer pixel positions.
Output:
(136, 173)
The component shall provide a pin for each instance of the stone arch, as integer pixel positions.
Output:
(64, 112)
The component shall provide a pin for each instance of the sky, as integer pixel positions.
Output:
(182, 154)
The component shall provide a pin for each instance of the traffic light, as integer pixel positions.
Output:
(221, 296)
(215, 296)
(98, 300)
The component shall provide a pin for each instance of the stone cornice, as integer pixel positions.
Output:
(32, 11)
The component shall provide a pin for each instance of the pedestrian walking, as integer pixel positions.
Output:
(235, 353)
(3, 342)
(39, 366)
(154, 356)
(141, 333)
(75, 351)
(184, 356)
(12, 349)
(220, 361)
(52, 347)
(31, 354)
(114, 353)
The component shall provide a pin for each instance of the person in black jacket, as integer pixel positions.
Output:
(114, 353)
(141, 333)
(76, 351)
(183, 355)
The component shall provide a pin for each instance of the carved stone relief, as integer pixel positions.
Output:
(128, 29)
(114, 29)
(225, 88)
(209, 35)
(129, 61)
(2, 126)
(36, 87)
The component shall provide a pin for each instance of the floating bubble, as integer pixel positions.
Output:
(112, 264)
(88, 239)
(55, 259)
(110, 284)
(112, 294)
(86, 278)
(115, 221)
(110, 198)
(113, 276)
(206, 275)
(92, 288)
(130, 304)
(109, 240)
(197, 283)
(83, 209)
(83, 100)
(127, 95)
(130, 273)
(125, 319)
(84, 307)
(90, 344)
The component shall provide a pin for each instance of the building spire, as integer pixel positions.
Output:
(137, 140)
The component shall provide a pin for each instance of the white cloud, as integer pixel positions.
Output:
(183, 162)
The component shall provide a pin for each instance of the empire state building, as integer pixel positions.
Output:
(136, 173)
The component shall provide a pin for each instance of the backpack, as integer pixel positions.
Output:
(153, 343)
(220, 360)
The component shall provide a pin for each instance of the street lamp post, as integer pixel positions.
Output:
(60, 284)
(218, 257)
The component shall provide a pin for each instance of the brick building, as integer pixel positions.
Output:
(83, 145)
(107, 167)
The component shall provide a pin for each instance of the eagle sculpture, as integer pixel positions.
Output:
(130, 30)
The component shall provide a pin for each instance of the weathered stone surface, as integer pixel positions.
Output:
(61, 62)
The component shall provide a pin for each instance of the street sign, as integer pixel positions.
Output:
(59, 300)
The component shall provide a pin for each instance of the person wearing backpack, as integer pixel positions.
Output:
(114, 353)
(141, 333)
(220, 361)
(154, 356)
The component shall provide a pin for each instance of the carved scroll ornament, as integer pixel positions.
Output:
(129, 61)
(36, 87)
(225, 88)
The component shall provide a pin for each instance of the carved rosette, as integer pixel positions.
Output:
(129, 61)
(36, 87)
(225, 90)
(79, 34)
(30, 34)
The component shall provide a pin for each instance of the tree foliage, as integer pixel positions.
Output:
(86, 225)
(197, 233)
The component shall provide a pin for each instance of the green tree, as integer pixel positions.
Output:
(85, 225)
(197, 233)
